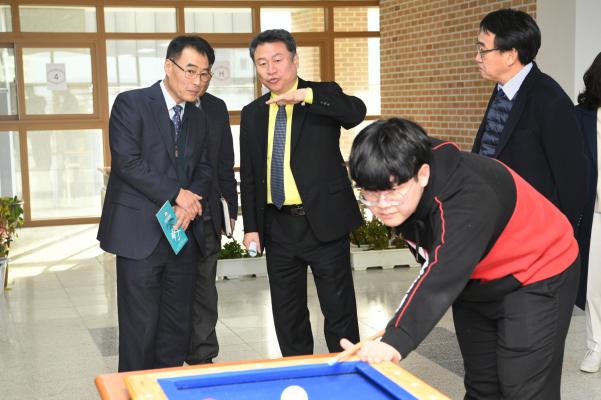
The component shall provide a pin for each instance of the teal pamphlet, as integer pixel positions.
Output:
(177, 238)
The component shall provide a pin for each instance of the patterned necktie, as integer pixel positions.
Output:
(177, 120)
(495, 122)
(277, 158)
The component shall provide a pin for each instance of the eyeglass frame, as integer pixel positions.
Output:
(384, 196)
(189, 74)
(482, 52)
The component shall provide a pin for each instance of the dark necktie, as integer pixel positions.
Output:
(277, 158)
(177, 120)
(495, 122)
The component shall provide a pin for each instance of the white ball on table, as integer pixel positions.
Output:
(294, 392)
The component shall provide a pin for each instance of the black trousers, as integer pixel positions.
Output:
(153, 299)
(291, 246)
(513, 347)
(203, 339)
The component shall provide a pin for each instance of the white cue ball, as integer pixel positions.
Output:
(294, 392)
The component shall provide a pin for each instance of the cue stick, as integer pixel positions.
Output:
(355, 348)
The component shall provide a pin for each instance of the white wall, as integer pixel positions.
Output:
(556, 20)
(571, 38)
(588, 38)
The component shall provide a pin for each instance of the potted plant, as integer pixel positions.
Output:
(235, 261)
(11, 218)
(232, 249)
(378, 235)
(383, 247)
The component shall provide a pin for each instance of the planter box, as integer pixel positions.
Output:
(363, 259)
(241, 266)
(3, 273)
(360, 260)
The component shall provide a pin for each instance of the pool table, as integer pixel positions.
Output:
(267, 379)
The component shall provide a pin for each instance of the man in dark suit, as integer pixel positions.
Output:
(203, 342)
(297, 199)
(158, 142)
(530, 122)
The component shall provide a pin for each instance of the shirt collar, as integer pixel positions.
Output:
(169, 100)
(513, 85)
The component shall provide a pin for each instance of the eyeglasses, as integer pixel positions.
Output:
(204, 76)
(387, 198)
(482, 52)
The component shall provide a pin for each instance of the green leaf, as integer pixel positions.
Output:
(11, 218)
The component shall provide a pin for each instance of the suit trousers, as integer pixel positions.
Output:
(513, 347)
(291, 246)
(593, 288)
(203, 339)
(154, 298)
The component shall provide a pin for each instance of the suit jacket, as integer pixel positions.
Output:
(143, 171)
(542, 142)
(315, 160)
(588, 123)
(221, 157)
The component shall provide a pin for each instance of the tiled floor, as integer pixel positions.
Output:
(58, 323)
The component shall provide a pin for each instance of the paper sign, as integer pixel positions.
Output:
(56, 76)
(221, 72)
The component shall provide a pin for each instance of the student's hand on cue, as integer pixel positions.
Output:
(374, 351)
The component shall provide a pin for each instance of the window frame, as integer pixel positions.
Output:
(96, 41)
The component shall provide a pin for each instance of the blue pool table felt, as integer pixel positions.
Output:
(350, 380)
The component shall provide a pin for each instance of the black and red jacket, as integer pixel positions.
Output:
(482, 232)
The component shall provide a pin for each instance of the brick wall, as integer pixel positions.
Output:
(350, 19)
(351, 73)
(352, 64)
(309, 63)
(308, 20)
(428, 71)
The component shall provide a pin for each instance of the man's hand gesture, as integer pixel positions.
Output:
(294, 97)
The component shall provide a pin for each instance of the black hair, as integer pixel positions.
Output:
(513, 29)
(178, 44)
(394, 148)
(591, 96)
(271, 36)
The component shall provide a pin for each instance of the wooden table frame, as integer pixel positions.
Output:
(114, 387)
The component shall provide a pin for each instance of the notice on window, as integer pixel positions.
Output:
(56, 77)
(221, 72)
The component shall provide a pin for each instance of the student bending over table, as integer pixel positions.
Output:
(490, 245)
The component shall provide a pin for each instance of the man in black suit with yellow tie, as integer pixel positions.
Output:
(297, 199)
(158, 153)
